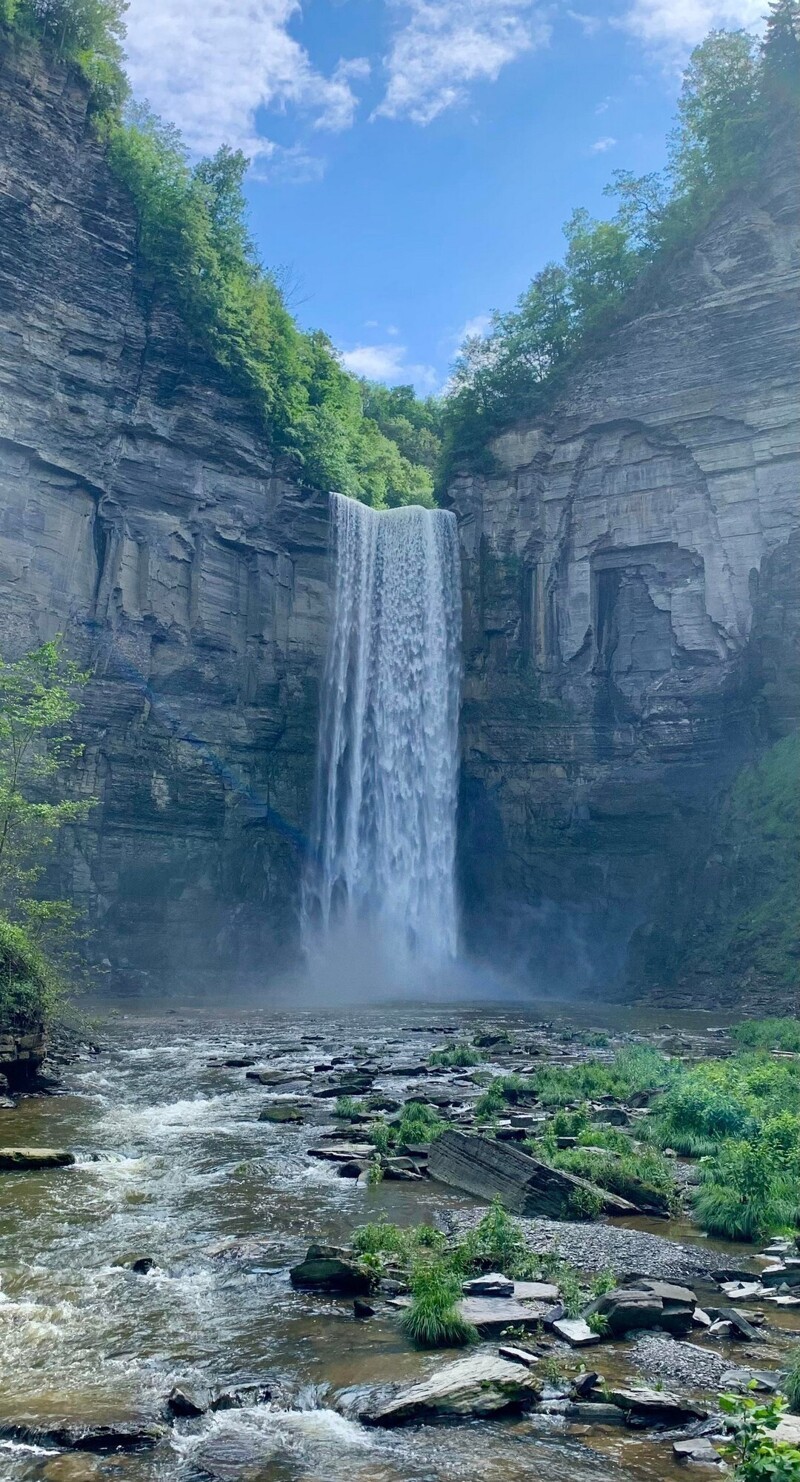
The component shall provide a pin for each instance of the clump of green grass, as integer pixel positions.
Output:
(637, 1068)
(497, 1243)
(347, 1109)
(639, 1176)
(745, 1194)
(791, 1382)
(456, 1056)
(768, 1034)
(433, 1319)
(419, 1123)
(724, 1099)
(503, 1091)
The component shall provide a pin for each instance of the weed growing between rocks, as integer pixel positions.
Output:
(433, 1319)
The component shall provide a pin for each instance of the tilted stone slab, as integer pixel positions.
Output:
(490, 1169)
(482, 1384)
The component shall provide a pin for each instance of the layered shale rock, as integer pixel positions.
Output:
(631, 575)
(142, 514)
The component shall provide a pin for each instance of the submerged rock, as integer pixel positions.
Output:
(279, 1113)
(483, 1384)
(652, 1407)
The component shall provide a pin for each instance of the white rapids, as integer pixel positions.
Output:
(382, 857)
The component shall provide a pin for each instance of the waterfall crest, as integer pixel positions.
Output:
(384, 832)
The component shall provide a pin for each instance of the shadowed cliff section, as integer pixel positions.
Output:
(631, 575)
(144, 514)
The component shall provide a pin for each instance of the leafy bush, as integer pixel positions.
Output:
(419, 1124)
(753, 1449)
(639, 1176)
(433, 1319)
(768, 1034)
(347, 1108)
(722, 1099)
(497, 1243)
(638, 1068)
(29, 987)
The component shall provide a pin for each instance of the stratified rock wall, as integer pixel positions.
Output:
(143, 515)
(632, 602)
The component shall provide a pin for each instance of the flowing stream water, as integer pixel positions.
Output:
(384, 832)
(173, 1162)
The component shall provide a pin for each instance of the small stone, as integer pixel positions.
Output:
(362, 1309)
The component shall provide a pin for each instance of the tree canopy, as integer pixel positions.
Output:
(736, 95)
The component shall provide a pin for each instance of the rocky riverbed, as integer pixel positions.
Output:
(149, 1328)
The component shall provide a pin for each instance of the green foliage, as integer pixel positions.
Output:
(456, 1056)
(196, 248)
(497, 1243)
(747, 1192)
(29, 987)
(502, 1091)
(418, 1124)
(599, 1324)
(726, 115)
(749, 920)
(768, 1034)
(585, 1204)
(721, 1099)
(753, 1450)
(347, 1108)
(634, 1069)
(641, 1175)
(87, 32)
(433, 1319)
(791, 1382)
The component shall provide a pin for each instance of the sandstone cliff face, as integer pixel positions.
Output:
(143, 515)
(631, 574)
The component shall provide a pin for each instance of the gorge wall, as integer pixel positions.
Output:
(631, 594)
(143, 515)
(632, 611)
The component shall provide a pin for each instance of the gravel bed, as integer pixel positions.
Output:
(657, 1356)
(599, 1247)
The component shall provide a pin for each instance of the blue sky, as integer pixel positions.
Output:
(414, 160)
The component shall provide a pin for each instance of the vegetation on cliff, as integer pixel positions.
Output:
(339, 432)
(748, 896)
(737, 95)
(38, 700)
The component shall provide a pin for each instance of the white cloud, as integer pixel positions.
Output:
(389, 363)
(673, 26)
(589, 24)
(601, 146)
(444, 45)
(210, 65)
(479, 325)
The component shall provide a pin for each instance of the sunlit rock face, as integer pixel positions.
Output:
(143, 515)
(631, 603)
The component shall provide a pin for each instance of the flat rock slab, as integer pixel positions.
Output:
(281, 1114)
(343, 1152)
(698, 1452)
(490, 1169)
(576, 1332)
(30, 1159)
(536, 1291)
(645, 1407)
(76, 1436)
(482, 1384)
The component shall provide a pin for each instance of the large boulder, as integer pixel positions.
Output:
(650, 1304)
(328, 1269)
(482, 1384)
(490, 1169)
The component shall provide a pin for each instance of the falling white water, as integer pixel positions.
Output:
(382, 862)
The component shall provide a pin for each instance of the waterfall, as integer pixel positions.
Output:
(382, 860)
